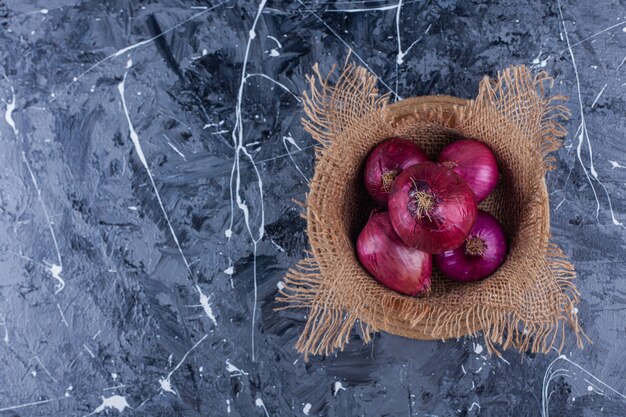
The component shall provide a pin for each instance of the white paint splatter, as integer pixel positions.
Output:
(165, 383)
(401, 54)
(55, 269)
(228, 406)
(281, 85)
(89, 351)
(584, 135)
(293, 143)
(208, 125)
(62, 316)
(139, 150)
(129, 63)
(275, 40)
(474, 405)
(259, 403)
(616, 165)
(352, 51)
(274, 53)
(591, 36)
(306, 409)
(338, 386)
(559, 205)
(204, 302)
(8, 114)
(234, 370)
(463, 370)
(43, 11)
(114, 388)
(551, 374)
(598, 96)
(370, 9)
(280, 285)
(144, 42)
(594, 388)
(537, 63)
(117, 402)
(174, 148)
(16, 407)
(230, 270)
(277, 246)
(478, 348)
(235, 176)
(44, 368)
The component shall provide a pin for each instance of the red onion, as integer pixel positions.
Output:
(480, 255)
(475, 163)
(386, 162)
(393, 264)
(431, 208)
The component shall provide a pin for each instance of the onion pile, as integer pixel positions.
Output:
(432, 211)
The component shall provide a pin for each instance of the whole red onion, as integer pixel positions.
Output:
(480, 255)
(386, 162)
(431, 208)
(475, 163)
(393, 264)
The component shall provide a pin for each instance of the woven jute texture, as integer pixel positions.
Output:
(524, 305)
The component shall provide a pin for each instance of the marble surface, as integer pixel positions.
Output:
(151, 152)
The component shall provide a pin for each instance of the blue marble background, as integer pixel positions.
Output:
(151, 152)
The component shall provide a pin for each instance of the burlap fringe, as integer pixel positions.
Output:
(328, 326)
(325, 97)
(329, 323)
(518, 83)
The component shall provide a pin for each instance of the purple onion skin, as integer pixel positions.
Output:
(392, 155)
(393, 264)
(446, 225)
(475, 163)
(461, 266)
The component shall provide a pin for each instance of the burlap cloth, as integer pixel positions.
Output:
(524, 305)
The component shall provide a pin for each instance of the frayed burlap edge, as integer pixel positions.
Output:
(330, 321)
